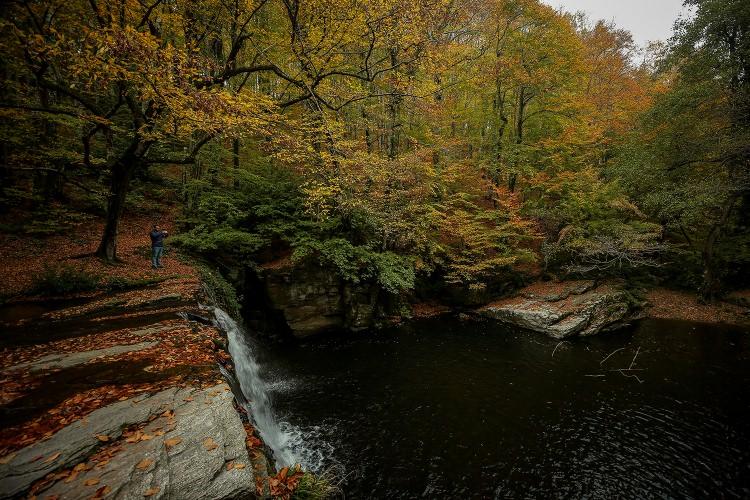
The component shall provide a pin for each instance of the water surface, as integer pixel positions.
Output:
(446, 409)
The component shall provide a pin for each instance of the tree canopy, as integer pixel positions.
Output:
(392, 140)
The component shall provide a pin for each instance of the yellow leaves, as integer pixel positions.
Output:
(102, 438)
(91, 482)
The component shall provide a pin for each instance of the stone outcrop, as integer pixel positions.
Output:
(562, 310)
(67, 359)
(195, 450)
(308, 299)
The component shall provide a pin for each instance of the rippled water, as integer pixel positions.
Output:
(446, 409)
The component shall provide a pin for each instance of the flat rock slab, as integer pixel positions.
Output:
(68, 359)
(193, 436)
(576, 310)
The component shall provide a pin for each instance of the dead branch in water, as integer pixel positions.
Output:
(610, 355)
(558, 345)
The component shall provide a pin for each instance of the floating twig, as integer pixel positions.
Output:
(610, 355)
(558, 345)
(636, 355)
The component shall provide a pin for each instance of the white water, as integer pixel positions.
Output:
(284, 440)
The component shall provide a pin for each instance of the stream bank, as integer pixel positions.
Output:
(120, 395)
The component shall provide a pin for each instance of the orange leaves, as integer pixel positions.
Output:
(284, 483)
(251, 441)
(172, 442)
(151, 491)
(209, 444)
(235, 465)
(144, 464)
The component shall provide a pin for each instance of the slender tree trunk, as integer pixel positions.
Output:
(394, 103)
(711, 276)
(499, 104)
(236, 161)
(513, 176)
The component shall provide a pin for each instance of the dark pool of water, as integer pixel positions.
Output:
(450, 409)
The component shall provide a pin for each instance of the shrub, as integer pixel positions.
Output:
(63, 280)
(219, 290)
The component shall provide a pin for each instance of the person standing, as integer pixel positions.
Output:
(157, 246)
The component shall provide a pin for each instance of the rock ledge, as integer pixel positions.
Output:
(562, 310)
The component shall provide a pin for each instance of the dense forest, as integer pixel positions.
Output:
(369, 210)
(391, 141)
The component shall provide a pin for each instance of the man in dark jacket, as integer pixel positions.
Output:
(157, 246)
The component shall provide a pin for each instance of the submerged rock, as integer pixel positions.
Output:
(195, 448)
(566, 309)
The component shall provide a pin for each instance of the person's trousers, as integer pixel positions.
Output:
(156, 256)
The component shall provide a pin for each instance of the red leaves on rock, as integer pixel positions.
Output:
(285, 482)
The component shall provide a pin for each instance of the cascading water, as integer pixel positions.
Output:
(277, 435)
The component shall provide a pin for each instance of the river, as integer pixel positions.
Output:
(442, 408)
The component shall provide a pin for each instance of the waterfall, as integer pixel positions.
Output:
(280, 438)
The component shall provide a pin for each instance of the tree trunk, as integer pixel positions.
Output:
(394, 103)
(513, 176)
(115, 205)
(236, 162)
(121, 173)
(711, 276)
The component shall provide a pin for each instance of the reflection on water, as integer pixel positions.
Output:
(442, 408)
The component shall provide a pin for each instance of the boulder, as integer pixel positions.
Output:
(194, 435)
(572, 309)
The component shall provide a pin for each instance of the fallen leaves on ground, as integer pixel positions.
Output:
(674, 304)
(21, 266)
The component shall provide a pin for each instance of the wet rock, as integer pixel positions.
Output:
(187, 455)
(195, 317)
(170, 297)
(142, 332)
(309, 299)
(66, 360)
(574, 310)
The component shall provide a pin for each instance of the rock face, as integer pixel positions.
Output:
(193, 436)
(309, 299)
(561, 310)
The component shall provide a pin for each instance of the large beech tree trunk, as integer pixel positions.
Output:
(121, 173)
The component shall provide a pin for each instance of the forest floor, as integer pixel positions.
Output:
(664, 303)
(67, 359)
